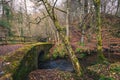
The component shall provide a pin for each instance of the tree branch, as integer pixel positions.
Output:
(38, 19)
(60, 10)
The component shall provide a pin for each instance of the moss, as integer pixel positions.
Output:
(59, 51)
(24, 60)
(105, 71)
(78, 50)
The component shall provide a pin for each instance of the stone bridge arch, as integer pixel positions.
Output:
(24, 60)
(40, 57)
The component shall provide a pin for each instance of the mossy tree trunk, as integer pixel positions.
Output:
(72, 56)
(62, 34)
(67, 18)
(101, 57)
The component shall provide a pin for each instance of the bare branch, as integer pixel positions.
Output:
(47, 8)
(38, 19)
(60, 10)
(53, 12)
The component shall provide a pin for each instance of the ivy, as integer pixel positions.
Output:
(6, 25)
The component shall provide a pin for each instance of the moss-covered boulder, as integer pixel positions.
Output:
(20, 63)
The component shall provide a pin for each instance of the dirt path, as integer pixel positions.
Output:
(4, 49)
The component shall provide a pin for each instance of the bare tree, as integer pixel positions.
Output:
(99, 34)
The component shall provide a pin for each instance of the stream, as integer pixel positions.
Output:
(60, 64)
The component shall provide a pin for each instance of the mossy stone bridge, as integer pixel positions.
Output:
(20, 63)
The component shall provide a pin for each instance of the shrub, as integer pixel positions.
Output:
(78, 50)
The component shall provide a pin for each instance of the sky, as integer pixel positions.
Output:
(20, 3)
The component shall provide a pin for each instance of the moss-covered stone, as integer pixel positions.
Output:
(24, 60)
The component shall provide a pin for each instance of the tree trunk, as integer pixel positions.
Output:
(103, 6)
(118, 8)
(67, 18)
(86, 7)
(72, 56)
(27, 19)
(82, 36)
(101, 57)
(3, 12)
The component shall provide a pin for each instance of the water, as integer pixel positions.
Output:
(60, 64)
